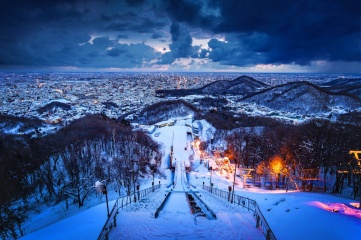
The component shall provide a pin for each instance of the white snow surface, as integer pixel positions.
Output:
(291, 215)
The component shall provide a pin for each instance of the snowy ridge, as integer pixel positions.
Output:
(302, 98)
(240, 86)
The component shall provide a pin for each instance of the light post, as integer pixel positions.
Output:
(210, 180)
(234, 178)
(102, 188)
(152, 167)
(133, 176)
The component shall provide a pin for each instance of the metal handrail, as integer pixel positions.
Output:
(248, 203)
(121, 202)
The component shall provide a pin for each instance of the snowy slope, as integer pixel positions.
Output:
(291, 215)
(302, 98)
(85, 225)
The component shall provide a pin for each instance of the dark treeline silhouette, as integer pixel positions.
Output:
(65, 165)
(165, 110)
(241, 85)
(226, 120)
(313, 150)
(50, 107)
(24, 123)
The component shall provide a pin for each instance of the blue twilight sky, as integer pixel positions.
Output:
(181, 35)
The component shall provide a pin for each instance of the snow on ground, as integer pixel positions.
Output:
(175, 221)
(291, 215)
(308, 214)
(85, 225)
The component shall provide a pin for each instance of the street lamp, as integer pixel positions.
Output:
(102, 188)
(210, 180)
(234, 178)
(133, 176)
(152, 167)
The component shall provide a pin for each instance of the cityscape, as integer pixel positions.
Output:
(180, 119)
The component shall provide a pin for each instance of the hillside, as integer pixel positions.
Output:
(243, 85)
(165, 110)
(343, 82)
(280, 208)
(302, 98)
(344, 86)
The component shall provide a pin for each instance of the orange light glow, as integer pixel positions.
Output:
(339, 208)
(276, 164)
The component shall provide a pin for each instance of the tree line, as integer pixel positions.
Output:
(313, 150)
(63, 167)
(166, 110)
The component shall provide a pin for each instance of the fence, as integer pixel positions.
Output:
(121, 203)
(244, 202)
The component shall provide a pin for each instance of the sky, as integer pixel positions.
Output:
(181, 35)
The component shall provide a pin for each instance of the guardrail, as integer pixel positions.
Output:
(248, 203)
(121, 203)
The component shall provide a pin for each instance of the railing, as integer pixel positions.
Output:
(244, 202)
(121, 203)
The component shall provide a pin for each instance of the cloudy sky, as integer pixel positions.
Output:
(181, 35)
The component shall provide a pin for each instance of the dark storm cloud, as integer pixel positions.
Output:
(142, 25)
(181, 45)
(232, 52)
(157, 35)
(196, 13)
(134, 2)
(56, 33)
(289, 31)
(59, 32)
(122, 36)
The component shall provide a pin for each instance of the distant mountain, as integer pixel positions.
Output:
(343, 82)
(302, 98)
(165, 110)
(53, 106)
(243, 85)
(344, 86)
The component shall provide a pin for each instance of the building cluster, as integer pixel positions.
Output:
(63, 97)
(44, 95)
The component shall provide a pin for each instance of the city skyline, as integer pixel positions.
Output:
(181, 35)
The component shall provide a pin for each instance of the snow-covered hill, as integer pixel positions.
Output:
(302, 98)
(291, 215)
(243, 85)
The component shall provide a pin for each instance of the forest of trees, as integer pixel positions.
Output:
(64, 166)
(166, 110)
(285, 153)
